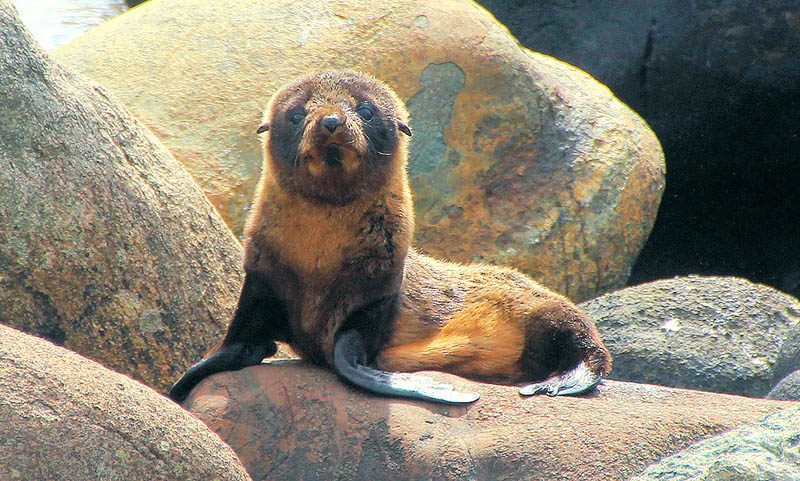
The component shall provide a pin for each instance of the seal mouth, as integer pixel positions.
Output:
(332, 155)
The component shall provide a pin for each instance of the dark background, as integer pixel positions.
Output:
(719, 83)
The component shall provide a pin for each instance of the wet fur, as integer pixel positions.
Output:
(328, 250)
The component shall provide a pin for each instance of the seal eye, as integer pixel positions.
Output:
(365, 112)
(296, 116)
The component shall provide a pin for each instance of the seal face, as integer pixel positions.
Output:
(333, 135)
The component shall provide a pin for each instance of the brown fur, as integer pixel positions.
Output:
(313, 246)
(486, 323)
(333, 239)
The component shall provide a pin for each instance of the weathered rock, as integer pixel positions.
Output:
(789, 355)
(288, 420)
(717, 334)
(66, 417)
(764, 451)
(719, 83)
(107, 246)
(787, 389)
(516, 158)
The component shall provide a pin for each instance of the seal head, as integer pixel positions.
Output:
(334, 136)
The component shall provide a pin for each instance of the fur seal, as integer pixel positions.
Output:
(329, 267)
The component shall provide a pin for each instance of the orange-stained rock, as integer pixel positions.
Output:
(516, 159)
(107, 246)
(64, 417)
(290, 421)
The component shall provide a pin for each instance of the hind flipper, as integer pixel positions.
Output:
(578, 380)
(349, 362)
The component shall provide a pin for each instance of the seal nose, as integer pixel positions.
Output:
(331, 122)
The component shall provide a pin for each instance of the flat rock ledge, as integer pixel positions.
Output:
(288, 420)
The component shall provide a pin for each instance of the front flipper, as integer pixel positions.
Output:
(349, 362)
(231, 357)
(578, 380)
(260, 320)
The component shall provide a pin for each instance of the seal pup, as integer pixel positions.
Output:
(329, 267)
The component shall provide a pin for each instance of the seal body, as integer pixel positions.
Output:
(330, 270)
(333, 219)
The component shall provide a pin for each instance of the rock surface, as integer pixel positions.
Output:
(66, 417)
(787, 389)
(719, 83)
(288, 420)
(763, 451)
(516, 158)
(107, 246)
(719, 334)
(789, 355)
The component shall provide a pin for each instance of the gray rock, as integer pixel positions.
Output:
(717, 334)
(766, 451)
(787, 389)
(789, 355)
(107, 246)
(65, 417)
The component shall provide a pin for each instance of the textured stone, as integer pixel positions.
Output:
(766, 451)
(65, 417)
(516, 158)
(291, 421)
(719, 334)
(107, 246)
(789, 355)
(787, 389)
(719, 83)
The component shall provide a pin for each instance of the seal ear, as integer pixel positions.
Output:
(402, 127)
(263, 128)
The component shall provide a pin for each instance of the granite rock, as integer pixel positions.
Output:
(719, 334)
(65, 417)
(107, 246)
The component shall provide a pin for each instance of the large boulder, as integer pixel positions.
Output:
(719, 83)
(66, 417)
(288, 420)
(719, 334)
(763, 451)
(107, 246)
(516, 158)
